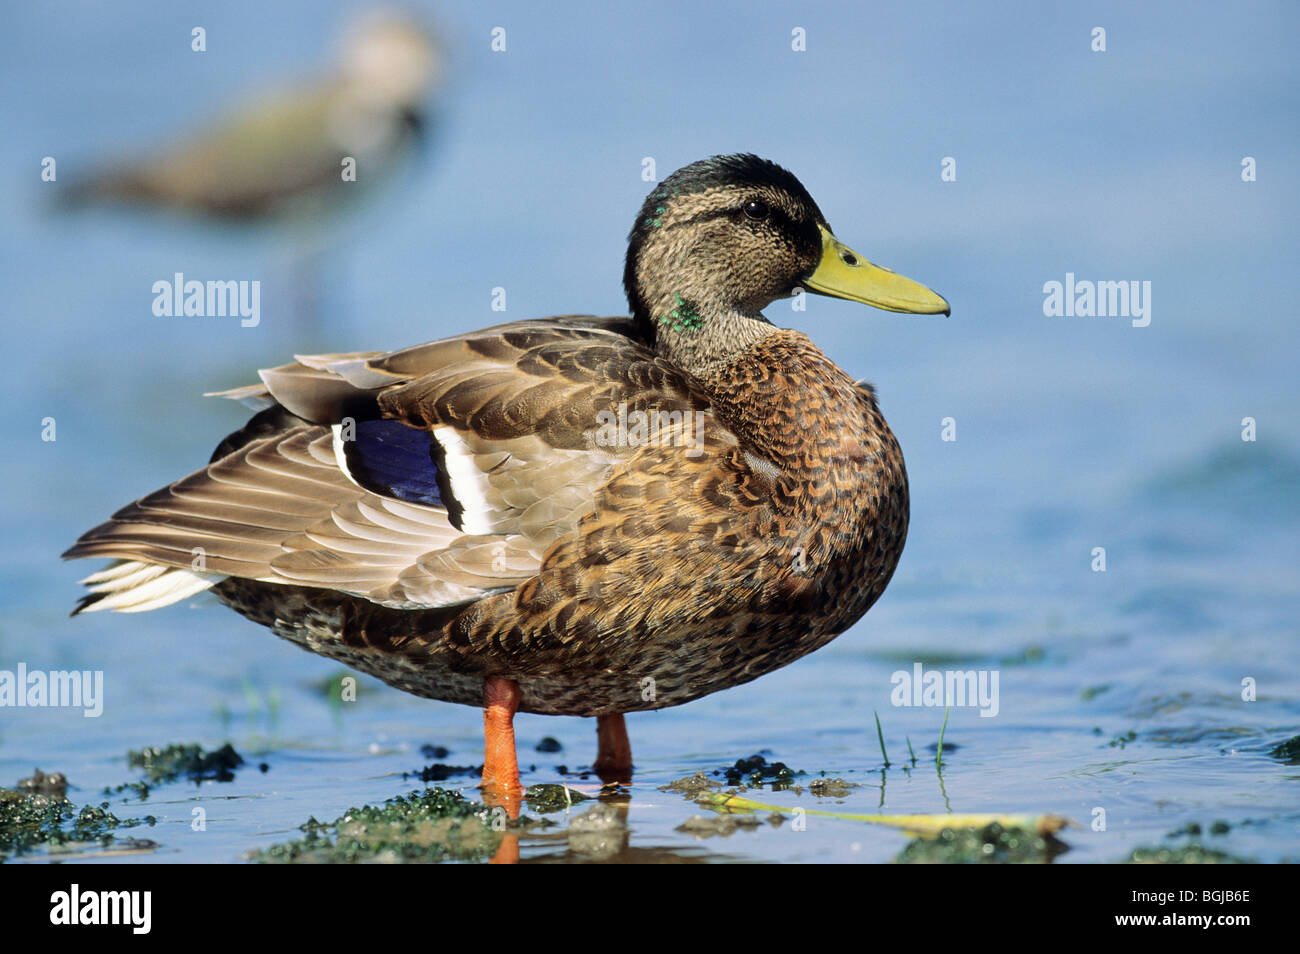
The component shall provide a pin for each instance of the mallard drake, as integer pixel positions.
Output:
(285, 149)
(574, 515)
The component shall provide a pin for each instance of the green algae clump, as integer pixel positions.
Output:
(1189, 854)
(992, 844)
(553, 798)
(429, 826)
(30, 819)
(1289, 751)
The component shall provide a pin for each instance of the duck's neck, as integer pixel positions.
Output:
(693, 320)
(700, 338)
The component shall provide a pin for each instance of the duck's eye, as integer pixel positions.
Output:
(756, 209)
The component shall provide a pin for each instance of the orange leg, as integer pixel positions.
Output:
(507, 852)
(613, 750)
(500, 766)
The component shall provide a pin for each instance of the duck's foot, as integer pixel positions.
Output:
(500, 766)
(613, 750)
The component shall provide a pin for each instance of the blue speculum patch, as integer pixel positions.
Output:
(389, 458)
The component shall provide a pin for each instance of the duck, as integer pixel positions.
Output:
(574, 515)
(292, 153)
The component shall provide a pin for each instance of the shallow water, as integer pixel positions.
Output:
(1119, 690)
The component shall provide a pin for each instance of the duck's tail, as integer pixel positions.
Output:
(133, 586)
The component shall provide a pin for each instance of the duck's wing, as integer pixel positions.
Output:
(417, 478)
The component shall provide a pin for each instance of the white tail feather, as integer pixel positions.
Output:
(132, 586)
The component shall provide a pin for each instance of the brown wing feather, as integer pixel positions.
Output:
(519, 401)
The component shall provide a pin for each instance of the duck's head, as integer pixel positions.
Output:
(720, 239)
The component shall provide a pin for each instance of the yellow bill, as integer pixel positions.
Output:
(843, 273)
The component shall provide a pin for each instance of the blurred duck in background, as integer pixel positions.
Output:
(294, 152)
